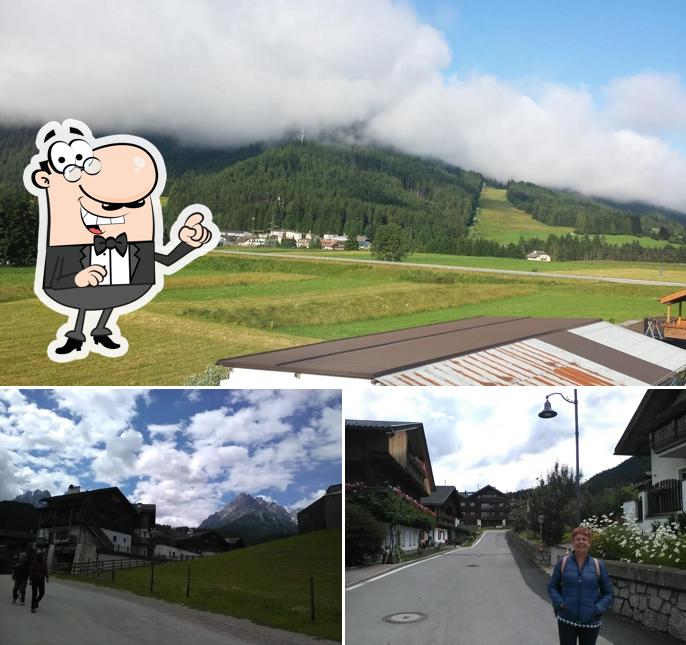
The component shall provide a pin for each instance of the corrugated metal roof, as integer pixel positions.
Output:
(530, 362)
(629, 342)
(486, 351)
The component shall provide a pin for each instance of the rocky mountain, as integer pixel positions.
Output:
(32, 498)
(252, 518)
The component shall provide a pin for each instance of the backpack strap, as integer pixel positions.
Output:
(596, 564)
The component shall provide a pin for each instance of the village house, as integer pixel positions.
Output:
(445, 502)
(487, 507)
(86, 526)
(196, 543)
(538, 256)
(658, 429)
(391, 458)
(325, 513)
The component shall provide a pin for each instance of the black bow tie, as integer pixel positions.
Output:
(120, 243)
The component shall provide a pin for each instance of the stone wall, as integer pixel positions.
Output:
(530, 549)
(651, 595)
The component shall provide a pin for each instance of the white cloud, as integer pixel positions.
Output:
(648, 102)
(494, 435)
(306, 501)
(259, 443)
(262, 69)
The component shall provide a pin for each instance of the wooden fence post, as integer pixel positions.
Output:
(152, 576)
(188, 583)
(312, 606)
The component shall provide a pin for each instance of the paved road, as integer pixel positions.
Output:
(485, 595)
(74, 613)
(529, 274)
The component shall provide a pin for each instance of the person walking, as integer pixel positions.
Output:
(38, 573)
(581, 592)
(20, 575)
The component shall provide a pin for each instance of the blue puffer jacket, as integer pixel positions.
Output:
(580, 595)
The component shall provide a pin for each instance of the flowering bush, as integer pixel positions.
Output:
(391, 505)
(624, 540)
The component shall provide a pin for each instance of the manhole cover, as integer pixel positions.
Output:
(405, 617)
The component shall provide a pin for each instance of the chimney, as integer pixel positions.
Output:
(73, 489)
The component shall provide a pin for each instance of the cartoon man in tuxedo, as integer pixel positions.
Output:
(100, 232)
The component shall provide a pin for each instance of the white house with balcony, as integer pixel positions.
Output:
(658, 429)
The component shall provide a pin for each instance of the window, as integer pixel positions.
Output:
(114, 538)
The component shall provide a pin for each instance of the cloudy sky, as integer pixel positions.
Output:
(478, 436)
(585, 95)
(187, 451)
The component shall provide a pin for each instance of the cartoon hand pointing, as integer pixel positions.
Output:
(193, 232)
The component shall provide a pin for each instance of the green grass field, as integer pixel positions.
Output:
(232, 304)
(500, 221)
(267, 584)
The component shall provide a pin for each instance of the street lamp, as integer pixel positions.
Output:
(548, 413)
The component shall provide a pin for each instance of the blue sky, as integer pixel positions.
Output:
(576, 43)
(480, 435)
(587, 96)
(188, 451)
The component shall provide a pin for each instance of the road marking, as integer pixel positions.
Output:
(411, 564)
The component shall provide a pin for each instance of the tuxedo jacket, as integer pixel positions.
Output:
(62, 263)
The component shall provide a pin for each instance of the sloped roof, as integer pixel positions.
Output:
(678, 296)
(656, 407)
(439, 496)
(485, 351)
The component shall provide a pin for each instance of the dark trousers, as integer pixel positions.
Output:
(37, 592)
(19, 589)
(569, 634)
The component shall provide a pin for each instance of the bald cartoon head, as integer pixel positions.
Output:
(94, 189)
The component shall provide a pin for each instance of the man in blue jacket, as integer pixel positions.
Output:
(581, 591)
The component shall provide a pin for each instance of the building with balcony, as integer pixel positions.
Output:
(658, 429)
(96, 524)
(445, 502)
(391, 458)
(486, 507)
(389, 453)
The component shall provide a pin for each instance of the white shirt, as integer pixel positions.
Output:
(117, 266)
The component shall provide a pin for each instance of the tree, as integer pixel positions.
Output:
(390, 243)
(363, 534)
(351, 243)
(554, 498)
(18, 227)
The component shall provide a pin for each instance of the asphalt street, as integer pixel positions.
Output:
(483, 595)
(418, 265)
(75, 613)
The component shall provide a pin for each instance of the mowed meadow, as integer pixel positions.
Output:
(268, 584)
(500, 221)
(229, 304)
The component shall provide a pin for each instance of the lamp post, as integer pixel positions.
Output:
(549, 413)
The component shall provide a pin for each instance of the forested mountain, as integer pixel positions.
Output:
(350, 189)
(337, 189)
(630, 471)
(589, 216)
